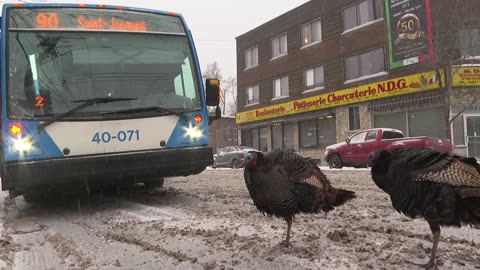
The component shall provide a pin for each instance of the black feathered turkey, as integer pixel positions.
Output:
(282, 184)
(443, 188)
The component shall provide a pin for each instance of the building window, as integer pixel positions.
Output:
(308, 134)
(283, 136)
(314, 78)
(253, 96)
(469, 42)
(362, 13)
(279, 46)
(247, 137)
(354, 118)
(312, 32)
(277, 136)
(327, 132)
(317, 133)
(364, 64)
(231, 134)
(255, 143)
(280, 87)
(235, 134)
(263, 139)
(228, 133)
(251, 57)
(288, 136)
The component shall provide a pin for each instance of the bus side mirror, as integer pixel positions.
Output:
(213, 98)
(213, 92)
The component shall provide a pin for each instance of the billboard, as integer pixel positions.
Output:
(409, 28)
(466, 76)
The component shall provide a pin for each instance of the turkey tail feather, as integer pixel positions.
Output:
(470, 197)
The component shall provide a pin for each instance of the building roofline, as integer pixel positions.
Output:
(272, 20)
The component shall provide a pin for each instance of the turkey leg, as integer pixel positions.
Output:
(289, 226)
(436, 237)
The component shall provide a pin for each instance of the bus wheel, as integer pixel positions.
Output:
(31, 196)
(12, 193)
(154, 183)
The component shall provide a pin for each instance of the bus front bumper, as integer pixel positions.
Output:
(106, 169)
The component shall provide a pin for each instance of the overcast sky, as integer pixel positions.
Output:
(214, 23)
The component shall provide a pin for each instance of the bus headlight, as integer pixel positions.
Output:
(22, 144)
(194, 133)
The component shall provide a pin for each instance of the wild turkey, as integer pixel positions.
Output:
(443, 188)
(282, 184)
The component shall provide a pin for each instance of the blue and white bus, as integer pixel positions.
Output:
(97, 94)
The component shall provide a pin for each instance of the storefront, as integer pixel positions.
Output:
(465, 110)
(309, 125)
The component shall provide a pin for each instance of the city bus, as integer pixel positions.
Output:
(100, 95)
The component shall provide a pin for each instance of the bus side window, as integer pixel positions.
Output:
(184, 84)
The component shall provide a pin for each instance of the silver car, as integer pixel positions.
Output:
(231, 156)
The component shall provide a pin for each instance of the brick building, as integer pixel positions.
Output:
(327, 69)
(221, 133)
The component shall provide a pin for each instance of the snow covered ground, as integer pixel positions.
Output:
(208, 221)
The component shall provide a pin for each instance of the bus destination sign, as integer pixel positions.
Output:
(51, 20)
(93, 19)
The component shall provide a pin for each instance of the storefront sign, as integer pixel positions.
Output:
(409, 31)
(466, 76)
(399, 86)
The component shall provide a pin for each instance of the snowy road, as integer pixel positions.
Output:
(208, 221)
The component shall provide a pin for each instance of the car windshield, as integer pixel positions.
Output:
(49, 69)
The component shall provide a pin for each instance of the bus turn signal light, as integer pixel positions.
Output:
(15, 130)
(198, 118)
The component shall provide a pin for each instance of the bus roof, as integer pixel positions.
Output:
(95, 6)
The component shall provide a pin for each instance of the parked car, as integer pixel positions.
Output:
(356, 151)
(231, 156)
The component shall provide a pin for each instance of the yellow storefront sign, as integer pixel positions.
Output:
(466, 76)
(394, 87)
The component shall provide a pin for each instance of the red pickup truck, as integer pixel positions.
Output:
(356, 151)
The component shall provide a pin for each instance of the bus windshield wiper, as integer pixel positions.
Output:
(150, 109)
(85, 103)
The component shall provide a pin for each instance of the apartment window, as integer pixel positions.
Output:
(251, 57)
(253, 96)
(364, 64)
(354, 118)
(362, 13)
(280, 87)
(312, 32)
(231, 134)
(314, 78)
(469, 42)
(279, 46)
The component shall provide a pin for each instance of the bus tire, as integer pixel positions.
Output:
(31, 196)
(154, 183)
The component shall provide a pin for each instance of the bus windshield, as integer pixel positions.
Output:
(50, 70)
